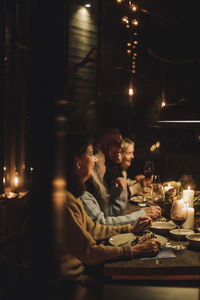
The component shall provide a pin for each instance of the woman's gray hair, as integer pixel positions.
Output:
(126, 143)
(103, 198)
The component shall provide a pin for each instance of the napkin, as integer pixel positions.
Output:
(164, 253)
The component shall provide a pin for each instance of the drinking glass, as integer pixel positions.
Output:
(157, 193)
(178, 214)
(149, 168)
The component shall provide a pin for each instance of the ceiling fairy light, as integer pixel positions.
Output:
(125, 20)
(135, 22)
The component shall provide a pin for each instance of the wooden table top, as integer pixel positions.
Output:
(186, 265)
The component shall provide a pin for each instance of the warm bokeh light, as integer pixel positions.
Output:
(4, 168)
(134, 7)
(133, 71)
(16, 180)
(125, 20)
(135, 42)
(135, 22)
(157, 144)
(87, 5)
(128, 44)
(131, 92)
(128, 51)
(163, 104)
(135, 54)
(120, 1)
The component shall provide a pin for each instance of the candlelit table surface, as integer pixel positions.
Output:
(185, 266)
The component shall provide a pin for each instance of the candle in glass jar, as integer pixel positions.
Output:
(188, 196)
(189, 223)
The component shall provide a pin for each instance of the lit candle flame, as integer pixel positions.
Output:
(130, 92)
(16, 180)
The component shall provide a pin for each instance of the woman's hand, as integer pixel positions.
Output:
(146, 249)
(120, 181)
(142, 224)
(153, 212)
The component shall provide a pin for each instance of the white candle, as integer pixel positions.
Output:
(188, 196)
(189, 223)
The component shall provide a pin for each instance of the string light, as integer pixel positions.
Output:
(125, 20)
(131, 22)
(163, 104)
(135, 22)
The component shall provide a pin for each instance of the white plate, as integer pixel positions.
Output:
(183, 232)
(194, 239)
(124, 238)
(161, 239)
(163, 225)
(121, 239)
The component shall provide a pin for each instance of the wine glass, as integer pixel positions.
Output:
(157, 190)
(178, 214)
(149, 168)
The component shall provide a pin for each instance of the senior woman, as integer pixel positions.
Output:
(82, 234)
(103, 207)
(135, 186)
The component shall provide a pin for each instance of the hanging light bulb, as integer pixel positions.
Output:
(128, 51)
(135, 54)
(88, 4)
(133, 71)
(120, 1)
(135, 42)
(128, 44)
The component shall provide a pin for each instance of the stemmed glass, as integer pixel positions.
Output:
(157, 191)
(149, 168)
(178, 214)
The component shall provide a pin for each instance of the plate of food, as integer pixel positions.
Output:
(132, 239)
(194, 240)
(160, 227)
(141, 198)
(183, 232)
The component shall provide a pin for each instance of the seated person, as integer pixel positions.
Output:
(107, 208)
(110, 142)
(138, 184)
(80, 247)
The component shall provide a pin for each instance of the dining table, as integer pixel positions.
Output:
(178, 265)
